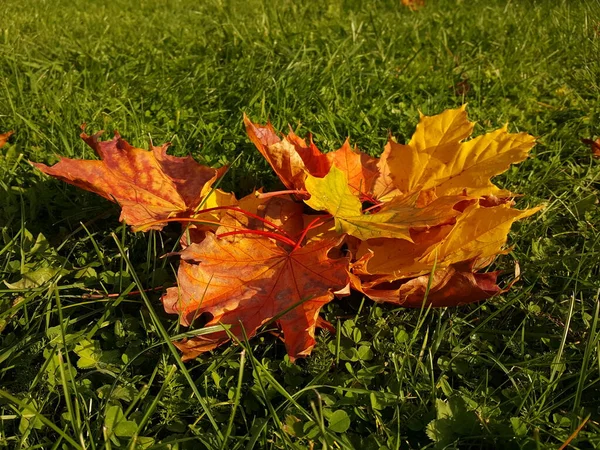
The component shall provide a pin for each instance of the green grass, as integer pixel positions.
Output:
(80, 368)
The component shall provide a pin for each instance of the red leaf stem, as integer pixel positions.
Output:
(270, 234)
(310, 226)
(249, 214)
(300, 192)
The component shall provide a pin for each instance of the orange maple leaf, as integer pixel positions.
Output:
(456, 285)
(150, 186)
(4, 138)
(594, 146)
(249, 281)
(414, 4)
(289, 157)
(293, 160)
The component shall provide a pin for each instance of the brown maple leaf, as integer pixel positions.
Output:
(594, 146)
(293, 159)
(290, 156)
(249, 281)
(414, 4)
(150, 186)
(456, 285)
(4, 138)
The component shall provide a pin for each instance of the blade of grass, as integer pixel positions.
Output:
(152, 407)
(236, 399)
(23, 406)
(167, 340)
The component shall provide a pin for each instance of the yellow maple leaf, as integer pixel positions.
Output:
(478, 233)
(436, 156)
(395, 219)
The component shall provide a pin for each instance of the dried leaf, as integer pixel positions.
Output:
(453, 286)
(383, 187)
(4, 138)
(479, 233)
(332, 194)
(150, 186)
(437, 158)
(291, 158)
(594, 146)
(398, 258)
(414, 4)
(361, 169)
(250, 281)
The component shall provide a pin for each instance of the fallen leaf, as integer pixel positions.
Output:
(250, 281)
(4, 138)
(479, 233)
(383, 186)
(594, 146)
(150, 186)
(414, 4)
(361, 169)
(399, 258)
(437, 158)
(453, 286)
(395, 219)
(291, 158)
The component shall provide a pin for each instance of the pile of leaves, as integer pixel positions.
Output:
(414, 227)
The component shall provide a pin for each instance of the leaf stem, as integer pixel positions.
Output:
(212, 222)
(310, 226)
(377, 205)
(301, 192)
(249, 214)
(177, 219)
(366, 197)
(277, 237)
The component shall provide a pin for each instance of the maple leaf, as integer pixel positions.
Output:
(395, 219)
(594, 146)
(247, 282)
(383, 187)
(479, 232)
(150, 186)
(4, 138)
(392, 259)
(291, 158)
(453, 286)
(437, 158)
(414, 4)
(478, 236)
(361, 169)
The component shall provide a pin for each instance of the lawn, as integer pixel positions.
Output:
(84, 356)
